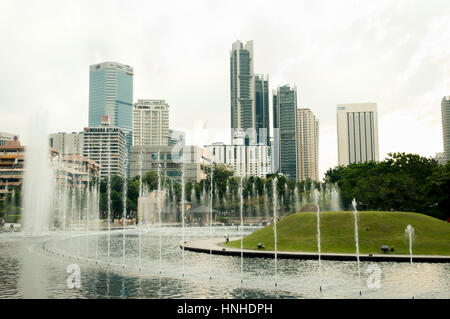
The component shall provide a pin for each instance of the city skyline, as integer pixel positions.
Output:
(363, 55)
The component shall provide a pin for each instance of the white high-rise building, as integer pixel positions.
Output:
(357, 131)
(172, 161)
(106, 145)
(253, 160)
(67, 143)
(151, 122)
(308, 145)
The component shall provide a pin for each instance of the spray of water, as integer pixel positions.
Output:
(124, 214)
(355, 218)
(159, 215)
(275, 219)
(183, 190)
(211, 197)
(316, 201)
(38, 177)
(242, 228)
(409, 232)
(109, 200)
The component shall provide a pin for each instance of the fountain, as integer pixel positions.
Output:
(241, 196)
(38, 178)
(183, 190)
(74, 204)
(211, 197)
(409, 231)
(275, 219)
(335, 201)
(316, 201)
(355, 217)
(109, 201)
(159, 214)
(124, 214)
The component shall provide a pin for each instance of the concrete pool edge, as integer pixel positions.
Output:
(216, 246)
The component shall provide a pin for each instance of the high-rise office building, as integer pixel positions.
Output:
(445, 110)
(284, 153)
(111, 94)
(357, 131)
(242, 87)
(308, 145)
(249, 96)
(106, 145)
(67, 143)
(262, 109)
(151, 122)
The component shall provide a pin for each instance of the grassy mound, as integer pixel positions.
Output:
(297, 232)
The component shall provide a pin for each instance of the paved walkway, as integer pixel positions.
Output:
(216, 246)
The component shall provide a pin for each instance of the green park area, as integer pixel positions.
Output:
(298, 233)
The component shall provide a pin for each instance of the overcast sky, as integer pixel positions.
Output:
(394, 53)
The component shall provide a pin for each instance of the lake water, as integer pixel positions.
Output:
(29, 271)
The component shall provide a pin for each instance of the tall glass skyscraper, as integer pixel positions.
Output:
(262, 109)
(285, 130)
(111, 94)
(242, 87)
(249, 96)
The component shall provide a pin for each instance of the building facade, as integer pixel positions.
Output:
(357, 132)
(111, 94)
(171, 161)
(4, 137)
(12, 155)
(67, 143)
(151, 122)
(249, 95)
(308, 145)
(242, 86)
(106, 145)
(246, 161)
(445, 111)
(285, 131)
(262, 123)
(76, 170)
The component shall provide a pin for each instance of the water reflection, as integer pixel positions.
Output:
(29, 272)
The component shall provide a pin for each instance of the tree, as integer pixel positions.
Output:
(403, 182)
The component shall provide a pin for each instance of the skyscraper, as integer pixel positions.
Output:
(111, 94)
(105, 144)
(242, 86)
(262, 109)
(357, 131)
(151, 122)
(308, 145)
(285, 130)
(445, 110)
(249, 96)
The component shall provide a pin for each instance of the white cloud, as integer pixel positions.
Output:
(394, 53)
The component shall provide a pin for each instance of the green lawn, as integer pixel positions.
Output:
(297, 232)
